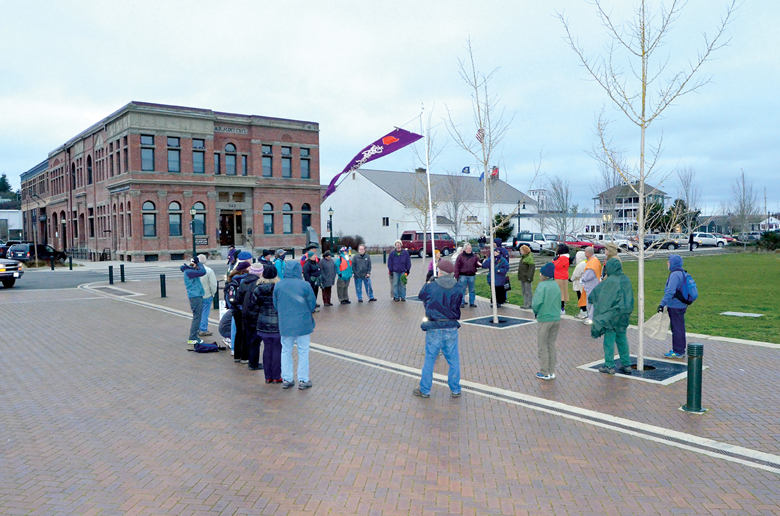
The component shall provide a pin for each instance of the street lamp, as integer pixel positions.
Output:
(193, 211)
(330, 225)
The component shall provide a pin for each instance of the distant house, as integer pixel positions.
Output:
(10, 225)
(619, 205)
(379, 205)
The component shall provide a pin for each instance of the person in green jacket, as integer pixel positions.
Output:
(547, 307)
(525, 274)
(613, 302)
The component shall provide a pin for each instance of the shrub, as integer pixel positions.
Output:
(770, 241)
(351, 241)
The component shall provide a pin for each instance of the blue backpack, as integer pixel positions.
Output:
(206, 347)
(687, 293)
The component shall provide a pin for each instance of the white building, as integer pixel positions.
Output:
(10, 225)
(769, 224)
(380, 205)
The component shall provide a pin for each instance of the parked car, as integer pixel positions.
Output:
(573, 241)
(10, 271)
(25, 252)
(412, 241)
(707, 240)
(536, 241)
(727, 238)
(623, 244)
(7, 245)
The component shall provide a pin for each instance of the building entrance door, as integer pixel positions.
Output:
(231, 228)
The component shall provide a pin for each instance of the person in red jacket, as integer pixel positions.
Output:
(562, 274)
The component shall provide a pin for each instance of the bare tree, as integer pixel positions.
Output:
(453, 193)
(560, 210)
(656, 89)
(690, 193)
(490, 129)
(744, 203)
(416, 202)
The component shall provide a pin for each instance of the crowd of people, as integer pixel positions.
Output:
(271, 302)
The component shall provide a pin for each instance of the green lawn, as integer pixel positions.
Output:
(739, 282)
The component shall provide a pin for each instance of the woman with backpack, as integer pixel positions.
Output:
(675, 306)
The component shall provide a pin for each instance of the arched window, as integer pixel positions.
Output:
(287, 219)
(199, 222)
(149, 214)
(305, 217)
(174, 219)
(230, 159)
(268, 219)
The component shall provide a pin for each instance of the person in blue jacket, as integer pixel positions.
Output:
(192, 274)
(295, 302)
(674, 306)
(502, 268)
(399, 264)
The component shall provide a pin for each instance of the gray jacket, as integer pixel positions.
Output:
(328, 268)
(361, 265)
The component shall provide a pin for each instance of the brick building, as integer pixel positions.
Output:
(127, 185)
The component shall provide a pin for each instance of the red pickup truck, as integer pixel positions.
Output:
(412, 241)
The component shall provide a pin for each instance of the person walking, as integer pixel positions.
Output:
(193, 271)
(312, 273)
(525, 274)
(267, 326)
(251, 350)
(442, 299)
(361, 268)
(561, 263)
(210, 289)
(399, 264)
(294, 302)
(501, 266)
(328, 274)
(675, 306)
(343, 275)
(613, 302)
(576, 284)
(590, 278)
(466, 265)
(545, 307)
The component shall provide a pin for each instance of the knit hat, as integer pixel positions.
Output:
(267, 252)
(256, 269)
(202, 258)
(269, 272)
(343, 250)
(242, 266)
(446, 266)
(327, 253)
(310, 254)
(612, 248)
(548, 270)
(280, 253)
(525, 249)
(244, 255)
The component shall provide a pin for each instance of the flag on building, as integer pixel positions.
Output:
(494, 173)
(482, 176)
(391, 142)
(466, 170)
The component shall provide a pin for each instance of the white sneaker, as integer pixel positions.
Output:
(563, 312)
(582, 315)
(588, 322)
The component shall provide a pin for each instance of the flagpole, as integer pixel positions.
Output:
(430, 201)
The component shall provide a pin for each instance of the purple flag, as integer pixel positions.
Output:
(397, 139)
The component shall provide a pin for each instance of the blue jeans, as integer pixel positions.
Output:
(468, 282)
(399, 289)
(359, 282)
(232, 333)
(303, 357)
(446, 341)
(204, 318)
(196, 306)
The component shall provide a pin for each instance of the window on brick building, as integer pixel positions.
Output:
(174, 219)
(147, 154)
(244, 165)
(305, 217)
(150, 219)
(267, 161)
(89, 170)
(305, 164)
(198, 143)
(217, 170)
(230, 160)
(198, 162)
(146, 139)
(91, 222)
(199, 222)
(268, 219)
(174, 154)
(287, 219)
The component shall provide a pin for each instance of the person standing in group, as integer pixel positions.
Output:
(193, 271)
(343, 275)
(237, 338)
(675, 306)
(267, 326)
(613, 302)
(232, 257)
(503, 250)
(279, 263)
(267, 258)
(251, 353)
(312, 273)
(210, 289)
(466, 265)
(328, 274)
(576, 276)
(590, 278)
(561, 263)
(610, 251)
(525, 274)
(399, 264)
(501, 266)
(361, 267)
(442, 299)
(545, 307)
(294, 301)
(436, 258)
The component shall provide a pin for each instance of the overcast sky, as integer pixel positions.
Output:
(359, 68)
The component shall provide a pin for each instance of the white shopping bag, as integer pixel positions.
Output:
(657, 326)
(222, 308)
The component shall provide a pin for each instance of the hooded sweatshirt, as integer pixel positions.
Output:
(612, 300)
(442, 299)
(674, 282)
(501, 249)
(294, 301)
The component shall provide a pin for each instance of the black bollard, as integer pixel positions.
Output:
(695, 354)
(384, 256)
(162, 285)
(110, 274)
(70, 262)
(52, 264)
(121, 272)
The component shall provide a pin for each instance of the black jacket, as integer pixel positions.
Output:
(310, 271)
(244, 295)
(262, 300)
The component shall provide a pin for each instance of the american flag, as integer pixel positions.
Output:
(480, 135)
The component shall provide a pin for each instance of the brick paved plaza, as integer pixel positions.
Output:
(105, 412)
